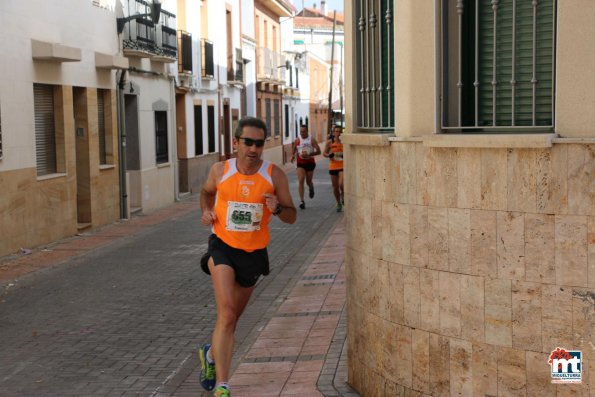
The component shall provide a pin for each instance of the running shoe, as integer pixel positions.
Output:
(339, 207)
(222, 391)
(207, 370)
(312, 192)
(303, 205)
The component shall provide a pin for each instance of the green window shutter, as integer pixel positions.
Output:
(388, 66)
(523, 43)
(374, 56)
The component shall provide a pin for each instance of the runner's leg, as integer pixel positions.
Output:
(231, 301)
(301, 173)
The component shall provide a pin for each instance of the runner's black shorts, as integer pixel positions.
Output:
(248, 266)
(334, 172)
(307, 166)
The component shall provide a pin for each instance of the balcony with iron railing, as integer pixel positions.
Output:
(144, 38)
(269, 65)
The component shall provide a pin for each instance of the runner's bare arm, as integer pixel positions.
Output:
(327, 148)
(281, 197)
(293, 150)
(208, 193)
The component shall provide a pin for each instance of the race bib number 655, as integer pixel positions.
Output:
(243, 217)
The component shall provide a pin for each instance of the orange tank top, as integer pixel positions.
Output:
(242, 215)
(336, 162)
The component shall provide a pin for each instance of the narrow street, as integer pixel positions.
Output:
(127, 318)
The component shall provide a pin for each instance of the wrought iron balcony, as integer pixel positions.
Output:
(269, 65)
(144, 38)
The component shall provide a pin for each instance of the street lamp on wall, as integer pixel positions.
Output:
(155, 13)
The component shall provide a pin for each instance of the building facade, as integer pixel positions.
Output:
(470, 191)
(210, 86)
(315, 29)
(59, 156)
(296, 90)
(270, 65)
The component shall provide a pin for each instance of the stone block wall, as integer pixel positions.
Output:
(467, 267)
(38, 210)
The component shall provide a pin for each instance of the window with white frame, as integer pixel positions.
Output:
(498, 64)
(374, 66)
(161, 145)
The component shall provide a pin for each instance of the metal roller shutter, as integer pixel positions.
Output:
(45, 134)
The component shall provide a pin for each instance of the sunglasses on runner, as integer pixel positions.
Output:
(250, 142)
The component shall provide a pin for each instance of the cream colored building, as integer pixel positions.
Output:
(470, 200)
(270, 71)
(58, 114)
(210, 85)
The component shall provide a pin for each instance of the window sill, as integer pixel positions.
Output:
(106, 167)
(586, 141)
(366, 139)
(163, 165)
(519, 141)
(50, 176)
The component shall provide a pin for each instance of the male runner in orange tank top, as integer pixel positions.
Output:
(237, 200)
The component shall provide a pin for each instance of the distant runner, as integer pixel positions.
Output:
(306, 149)
(334, 151)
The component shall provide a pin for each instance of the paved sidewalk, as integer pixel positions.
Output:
(295, 348)
(289, 355)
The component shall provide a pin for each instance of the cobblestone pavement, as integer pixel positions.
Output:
(121, 311)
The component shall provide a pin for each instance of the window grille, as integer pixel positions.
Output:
(277, 118)
(168, 32)
(161, 146)
(211, 126)
(101, 126)
(267, 105)
(239, 65)
(498, 64)
(375, 64)
(208, 67)
(198, 144)
(185, 52)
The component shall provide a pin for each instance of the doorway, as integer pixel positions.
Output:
(82, 149)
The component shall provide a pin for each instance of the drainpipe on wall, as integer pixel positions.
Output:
(122, 143)
(174, 149)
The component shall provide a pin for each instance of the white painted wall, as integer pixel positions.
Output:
(76, 24)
